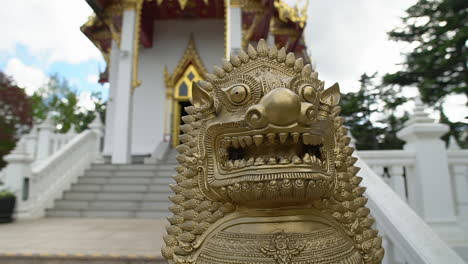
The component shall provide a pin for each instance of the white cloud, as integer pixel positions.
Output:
(49, 29)
(86, 101)
(455, 108)
(348, 38)
(93, 78)
(25, 76)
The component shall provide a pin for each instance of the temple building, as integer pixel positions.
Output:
(155, 49)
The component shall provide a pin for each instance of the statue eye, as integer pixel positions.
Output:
(238, 93)
(309, 93)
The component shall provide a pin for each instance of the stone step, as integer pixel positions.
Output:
(120, 187)
(140, 167)
(106, 214)
(112, 205)
(105, 173)
(45, 258)
(126, 180)
(119, 191)
(117, 196)
(132, 167)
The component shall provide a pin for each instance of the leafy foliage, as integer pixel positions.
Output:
(457, 130)
(15, 115)
(6, 194)
(438, 65)
(58, 97)
(19, 111)
(370, 115)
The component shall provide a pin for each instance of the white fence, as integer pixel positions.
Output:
(431, 179)
(407, 239)
(397, 169)
(44, 164)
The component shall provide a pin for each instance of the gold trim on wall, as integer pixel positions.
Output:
(190, 57)
(136, 44)
(189, 63)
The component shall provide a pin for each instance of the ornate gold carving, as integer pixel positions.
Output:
(182, 3)
(266, 172)
(190, 64)
(294, 14)
(97, 36)
(136, 44)
(130, 4)
(190, 57)
(282, 248)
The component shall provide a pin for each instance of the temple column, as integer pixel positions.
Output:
(429, 189)
(110, 107)
(233, 23)
(121, 147)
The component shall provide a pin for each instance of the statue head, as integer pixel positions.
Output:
(264, 133)
(269, 131)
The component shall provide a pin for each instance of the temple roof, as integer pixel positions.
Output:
(259, 18)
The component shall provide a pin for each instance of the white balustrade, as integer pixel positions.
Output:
(39, 173)
(394, 166)
(458, 164)
(408, 238)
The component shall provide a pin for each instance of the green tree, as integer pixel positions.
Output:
(58, 97)
(370, 115)
(438, 64)
(457, 129)
(15, 115)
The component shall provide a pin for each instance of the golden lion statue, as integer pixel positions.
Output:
(266, 173)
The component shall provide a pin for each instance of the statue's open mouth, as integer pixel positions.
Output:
(272, 150)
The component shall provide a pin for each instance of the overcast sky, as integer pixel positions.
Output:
(345, 38)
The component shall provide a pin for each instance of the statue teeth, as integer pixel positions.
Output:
(306, 138)
(295, 137)
(259, 161)
(236, 164)
(242, 142)
(271, 137)
(284, 161)
(250, 162)
(227, 141)
(307, 158)
(283, 137)
(258, 139)
(315, 140)
(296, 160)
(242, 163)
(235, 142)
(314, 159)
(271, 161)
(248, 140)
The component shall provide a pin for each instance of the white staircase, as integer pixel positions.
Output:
(119, 191)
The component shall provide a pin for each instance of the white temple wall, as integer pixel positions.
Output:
(171, 38)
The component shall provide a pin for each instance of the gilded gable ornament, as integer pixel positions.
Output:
(266, 173)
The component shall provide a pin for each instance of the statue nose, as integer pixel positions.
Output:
(282, 106)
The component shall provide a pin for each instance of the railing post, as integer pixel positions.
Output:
(18, 169)
(71, 132)
(430, 190)
(31, 142)
(46, 130)
(460, 178)
(397, 180)
(98, 128)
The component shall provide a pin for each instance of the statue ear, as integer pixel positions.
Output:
(331, 96)
(200, 97)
